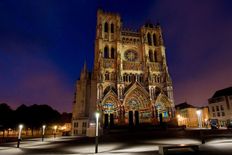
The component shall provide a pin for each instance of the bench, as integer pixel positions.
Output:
(163, 149)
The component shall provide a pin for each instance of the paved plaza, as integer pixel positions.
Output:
(121, 145)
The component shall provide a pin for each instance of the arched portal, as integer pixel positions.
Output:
(137, 106)
(110, 110)
(163, 108)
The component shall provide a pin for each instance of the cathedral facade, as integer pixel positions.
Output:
(130, 83)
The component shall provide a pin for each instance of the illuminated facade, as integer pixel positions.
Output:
(191, 116)
(130, 82)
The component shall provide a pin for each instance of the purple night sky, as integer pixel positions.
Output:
(43, 46)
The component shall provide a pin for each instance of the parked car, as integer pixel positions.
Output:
(214, 124)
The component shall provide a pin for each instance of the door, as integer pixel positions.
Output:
(106, 121)
(136, 118)
(131, 124)
(111, 120)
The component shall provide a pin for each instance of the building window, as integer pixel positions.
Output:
(217, 107)
(223, 113)
(84, 124)
(149, 38)
(106, 52)
(106, 27)
(154, 40)
(222, 108)
(214, 115)
(75, 124)
(213, 110)
(112, 28)
(155, 56)
(124, 77)
(218, 114)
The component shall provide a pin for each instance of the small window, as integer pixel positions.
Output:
(106, 52)
(214, 115)
(124, 77)
(217, 108)
(154, 40)
(84, 124)
(106, 27)
(222, 108)
(75, 124)
(223, 113)
(112, 28)
(213, 110)
(218, 114)
(155, 56)
(149, 38)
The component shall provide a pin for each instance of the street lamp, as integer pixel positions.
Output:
(96, 139)
(55, 127)
(43, 132)
(199, 112)
(19, 136)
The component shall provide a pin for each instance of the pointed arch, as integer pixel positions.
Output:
(110, 103)
(154, 40)
(136, 91)
(106, 29)
(112, 28)
(106, 52)
(149, 38)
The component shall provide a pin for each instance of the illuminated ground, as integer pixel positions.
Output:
(116, 145)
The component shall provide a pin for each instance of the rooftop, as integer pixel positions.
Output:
(223, 92)
(184, 106)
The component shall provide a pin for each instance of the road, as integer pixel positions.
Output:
(137, 145)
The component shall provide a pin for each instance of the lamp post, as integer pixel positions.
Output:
(55, 127)
(96, 139)
(43, 132)
(199, 112)
(19, 136)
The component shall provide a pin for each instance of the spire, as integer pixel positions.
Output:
(84, 72)
(85, 68)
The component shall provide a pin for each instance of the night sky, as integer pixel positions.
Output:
(44, 44)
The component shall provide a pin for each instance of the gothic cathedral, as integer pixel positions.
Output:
(130, 83)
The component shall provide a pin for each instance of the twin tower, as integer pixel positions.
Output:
(130, 83)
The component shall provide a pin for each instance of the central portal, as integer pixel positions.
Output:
(133, 107)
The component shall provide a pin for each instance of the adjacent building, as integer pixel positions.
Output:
(191, 116)
(220, 106)
(130, 83)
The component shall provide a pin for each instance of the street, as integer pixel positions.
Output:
(114, 145)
